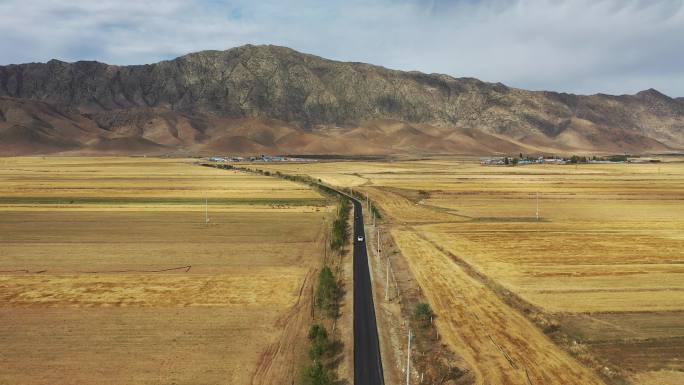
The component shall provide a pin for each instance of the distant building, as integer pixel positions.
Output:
(492, 161)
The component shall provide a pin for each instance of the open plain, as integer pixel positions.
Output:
(553, 274)
(111, 274)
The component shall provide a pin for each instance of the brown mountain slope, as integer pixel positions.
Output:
(32, 127)
(273, 99)
(29, 127)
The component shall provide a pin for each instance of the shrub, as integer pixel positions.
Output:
(326, 298)
(316, 374)
(340, 227)
(320, 345)
(317, 332)
(423, 312)
(377, 212)
(617, 158)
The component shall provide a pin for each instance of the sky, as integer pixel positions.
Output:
(577, 46)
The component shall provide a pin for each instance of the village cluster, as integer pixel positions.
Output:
(575, 159)
(259, 158)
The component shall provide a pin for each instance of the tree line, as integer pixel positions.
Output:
(327, 296)
(340, 227)
(327, 299)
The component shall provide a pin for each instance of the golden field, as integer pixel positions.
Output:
(605, 260)
(110, 275)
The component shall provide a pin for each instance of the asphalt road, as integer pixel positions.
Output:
(367, 363)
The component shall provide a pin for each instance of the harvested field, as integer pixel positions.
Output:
(602, 266)
(122, 281)
(150, 180)
(500, 345)
(575, 268)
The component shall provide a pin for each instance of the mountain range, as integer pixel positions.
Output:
(274, 100)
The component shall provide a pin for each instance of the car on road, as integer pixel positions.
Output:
(359, 238)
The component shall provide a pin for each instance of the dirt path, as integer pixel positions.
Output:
(278, 363)
(500, 345)
(401, 210)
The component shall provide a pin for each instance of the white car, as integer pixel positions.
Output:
(359, 238)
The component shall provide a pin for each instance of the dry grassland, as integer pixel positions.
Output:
(606, 260)
(127, 284)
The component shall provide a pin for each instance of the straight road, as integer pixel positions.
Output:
(367, 363)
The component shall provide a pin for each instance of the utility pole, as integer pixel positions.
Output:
(387, 280)
(313, 302)
(325, 244)
(537, 214)
(408, 359)
(378, 242)
(206, 210)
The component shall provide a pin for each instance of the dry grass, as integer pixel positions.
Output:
(130, 286)
(662, 377)
(263, 288)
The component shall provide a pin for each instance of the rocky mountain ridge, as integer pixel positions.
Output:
(207, 101)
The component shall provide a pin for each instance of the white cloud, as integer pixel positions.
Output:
(585, 46)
